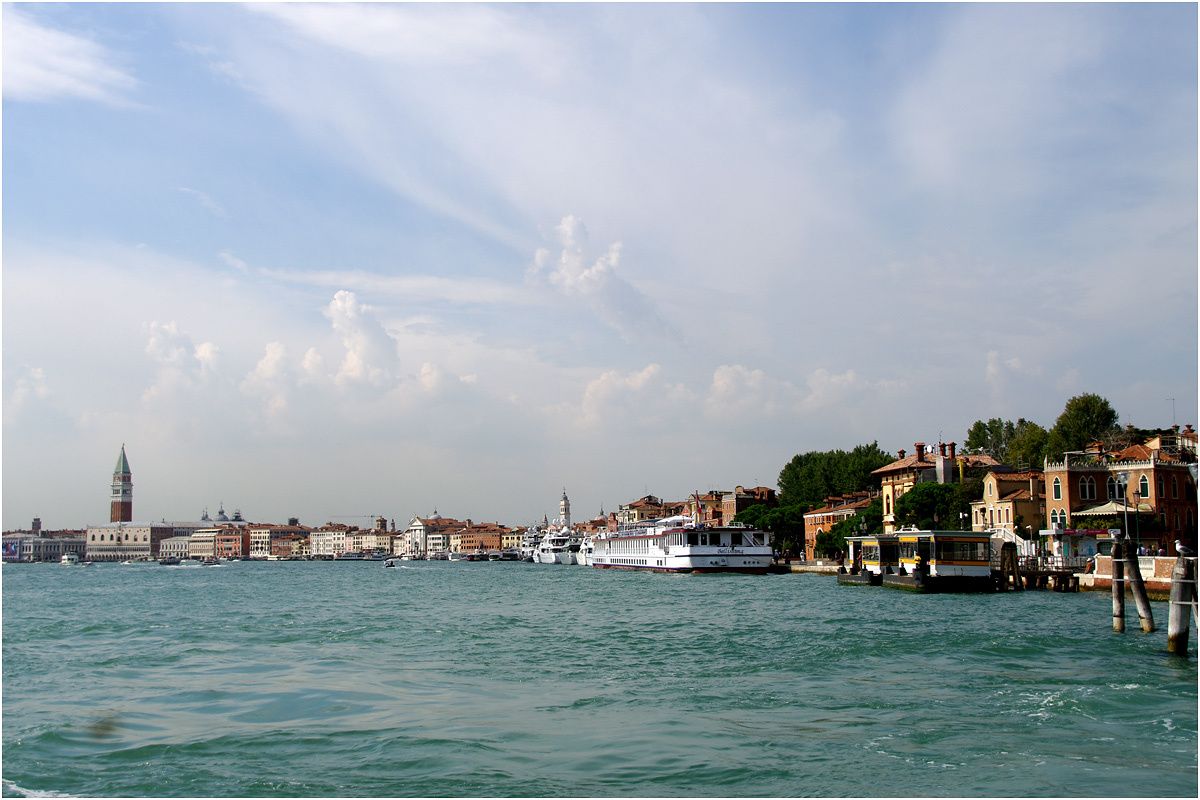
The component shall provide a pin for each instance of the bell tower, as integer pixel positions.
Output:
(564, 509)
(122, 491)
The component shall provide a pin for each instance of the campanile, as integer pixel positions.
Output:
(122, 491)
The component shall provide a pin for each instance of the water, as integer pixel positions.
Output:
(508, 679)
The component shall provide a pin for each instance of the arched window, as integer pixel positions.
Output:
(1161, 491)
(1144, 486)
(1114, 488)
(1087, 488)
(1057, 489)
(1174, 488)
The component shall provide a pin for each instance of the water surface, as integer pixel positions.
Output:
(510, 679)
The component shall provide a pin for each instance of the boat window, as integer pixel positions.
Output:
(693, 538)
(735, 539)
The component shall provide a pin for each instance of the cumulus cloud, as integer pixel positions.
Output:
(270, 380)
(616, 301)
(370, 351)
(634, 399)
(42, 64)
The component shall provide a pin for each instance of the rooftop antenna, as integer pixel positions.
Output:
(1172, 399)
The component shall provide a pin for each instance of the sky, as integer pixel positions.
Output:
(339, 261)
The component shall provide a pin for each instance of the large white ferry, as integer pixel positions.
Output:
(677, 544)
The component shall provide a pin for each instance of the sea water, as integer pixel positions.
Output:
(513, 679)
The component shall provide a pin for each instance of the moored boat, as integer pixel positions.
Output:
(677, 544)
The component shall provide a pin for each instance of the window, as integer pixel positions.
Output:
(1087, 488)
(1114, 488)
(1057, 489)
(1174, 488)
(1161, 484)
(1144, 486)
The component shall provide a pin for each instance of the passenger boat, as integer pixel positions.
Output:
(678, 544)
(510, 554)
(69, 559)
(169, 561)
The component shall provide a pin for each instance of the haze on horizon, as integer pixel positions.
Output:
(336, 260)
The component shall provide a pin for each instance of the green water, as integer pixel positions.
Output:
(507, 679)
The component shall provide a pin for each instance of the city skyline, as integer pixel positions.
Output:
(339, 260)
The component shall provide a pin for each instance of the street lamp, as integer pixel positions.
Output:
(1137, 515)
(1125, 498)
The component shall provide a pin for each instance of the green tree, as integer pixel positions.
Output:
(932, 506)
(991, 437)
(1085, 418)
(813, 476)
(1027, 447)
(753, 515)
(867, 522)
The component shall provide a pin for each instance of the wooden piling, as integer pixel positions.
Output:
(1118, 586)
(1140, 598)
(1183, 595)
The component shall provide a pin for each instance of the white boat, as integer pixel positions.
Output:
(678, 544)
(69, 559)
(529, 544)
(586, 549)
(456, 556)
(557, 547)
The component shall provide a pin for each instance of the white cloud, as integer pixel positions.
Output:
(30, 387)
(370, 351)
(270, 380)
(206, 202)
(42, 64)
(616, 301)
(633, 400)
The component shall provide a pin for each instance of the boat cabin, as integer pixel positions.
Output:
(948, 554)
(875, 554)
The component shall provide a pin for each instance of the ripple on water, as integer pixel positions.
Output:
(520, 680)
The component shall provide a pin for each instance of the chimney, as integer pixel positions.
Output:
(900, 454)
(942, 449)
(952, 446)
(920, 448)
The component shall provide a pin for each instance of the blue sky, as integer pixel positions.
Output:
(372, 259)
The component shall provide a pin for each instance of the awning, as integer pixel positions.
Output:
(1111, 509)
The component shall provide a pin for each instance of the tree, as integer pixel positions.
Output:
(1027, 448)
(1085, 418)
(931, 506)
(813, 476)
(991, 437)
(868, 522)
(786, 524)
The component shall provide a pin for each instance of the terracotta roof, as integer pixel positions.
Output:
(1009, 477)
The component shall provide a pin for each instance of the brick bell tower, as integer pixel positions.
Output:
(122, 491)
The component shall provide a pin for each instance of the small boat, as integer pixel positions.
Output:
(209, 562)
(456, 556)
(169, 561)
(494, 555)
(69, 559)
(510, 554)
(391, 562)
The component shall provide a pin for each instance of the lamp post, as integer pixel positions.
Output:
(1137, 516)
(1125, 498)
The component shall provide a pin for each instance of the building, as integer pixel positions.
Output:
(122, 491)
(564, 509)
(475, 537)
(837, 508)
(946, 466)
(644, 508)
(733, 503)
(330, 540)
(126, 541)
(28, 547)
(203, 544)
(174, 547)
(290, 545)
(427, 535)
(1152, 486)
(1012, 501)
(232, 542)
(263, 537)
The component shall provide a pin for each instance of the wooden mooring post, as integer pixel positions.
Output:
(1009, 569)
(1118, 586)
(1183, 601)
(1138, 587)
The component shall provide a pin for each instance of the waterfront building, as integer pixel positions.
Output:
(1012, 501)
(263, 537)
(203, 544)
(473, 537)
(732, 503)
(122, 491)
(1152, 486)
(28, 547)
(125, 541)
(330, 540)
(644, 508)
(174, 547)
(427, 535)
(923, 466)
(837, 508)
(232, 542)
(290, 545)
